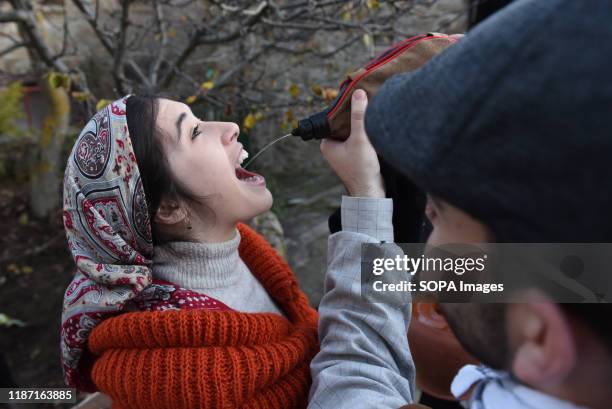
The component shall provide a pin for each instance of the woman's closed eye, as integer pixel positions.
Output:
(196, 131)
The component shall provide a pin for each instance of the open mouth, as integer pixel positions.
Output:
(246, 176)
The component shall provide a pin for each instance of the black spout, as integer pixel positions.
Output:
(314, 127)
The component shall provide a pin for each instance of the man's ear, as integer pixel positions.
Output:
(170, 213)
(543, 343)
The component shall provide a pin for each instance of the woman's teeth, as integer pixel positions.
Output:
(253, 179)
(243, 155)
(250, 177)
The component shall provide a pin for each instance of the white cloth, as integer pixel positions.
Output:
(496, 389)
(214, 269)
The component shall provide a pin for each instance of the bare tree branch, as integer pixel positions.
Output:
(93, 22)
(29, 27)
(15, 16)
(163, 40)
(64, 36)
(227, 76)
(338, 49)
(39, 50)
(12, 48)
(179, 4)
(295, 26)
(119, 51)
(198, 38)
(9, 37)
(214, 100)
(270, 28)
(318, 4)
(224, 80)
(107, 42)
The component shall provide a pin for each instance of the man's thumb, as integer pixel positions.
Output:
(359, 102)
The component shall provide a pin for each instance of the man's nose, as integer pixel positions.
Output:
(230, 133)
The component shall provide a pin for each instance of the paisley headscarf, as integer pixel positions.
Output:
(109, 235)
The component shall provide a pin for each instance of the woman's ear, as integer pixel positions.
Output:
(169, 213)
(544, 345)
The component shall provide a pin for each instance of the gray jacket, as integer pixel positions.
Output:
(364, 359)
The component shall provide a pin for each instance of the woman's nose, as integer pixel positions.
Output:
(231, 133)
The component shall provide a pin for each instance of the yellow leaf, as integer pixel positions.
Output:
(316, 88)
(80, 96)
(23, 219)
(329, 94)
(367, 40)
(102, 103)
(12, 268)
(373, 4)
(294, 90)
(190, 99)
(258, 116)
(289, 116)
(172, 32)
(346, 16)
(249, 122)
(208, 85)
(40, 18)
(27, 270)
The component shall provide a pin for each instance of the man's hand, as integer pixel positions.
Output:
(355, 160)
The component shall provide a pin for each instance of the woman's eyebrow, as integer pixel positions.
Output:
(178, 124)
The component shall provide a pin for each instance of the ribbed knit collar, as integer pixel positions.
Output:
(198, 265)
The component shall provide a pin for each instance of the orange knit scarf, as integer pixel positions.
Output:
(213, 359)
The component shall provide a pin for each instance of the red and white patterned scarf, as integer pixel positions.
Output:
(109, 235)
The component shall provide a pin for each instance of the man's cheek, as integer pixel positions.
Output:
(436, 236)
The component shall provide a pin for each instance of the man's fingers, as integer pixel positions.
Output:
(328, 145)
(359, 102)
(323, 146)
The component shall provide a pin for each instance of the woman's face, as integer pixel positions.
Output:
(204, 156)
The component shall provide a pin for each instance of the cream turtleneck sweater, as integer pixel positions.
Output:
(214, 269)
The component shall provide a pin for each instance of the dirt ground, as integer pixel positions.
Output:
(35, 268)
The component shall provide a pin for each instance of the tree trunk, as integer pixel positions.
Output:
(46, 153)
